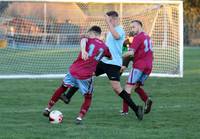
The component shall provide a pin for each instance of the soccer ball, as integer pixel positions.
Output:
(55, 117)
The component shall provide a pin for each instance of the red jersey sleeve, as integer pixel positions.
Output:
(107, 53)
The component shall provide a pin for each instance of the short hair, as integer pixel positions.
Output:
(112, 13)
(95, 29)
(137, 21)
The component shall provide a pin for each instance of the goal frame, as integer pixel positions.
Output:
(181, 50)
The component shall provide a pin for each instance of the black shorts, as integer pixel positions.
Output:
(112, 71)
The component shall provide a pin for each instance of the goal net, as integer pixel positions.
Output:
(41, 40)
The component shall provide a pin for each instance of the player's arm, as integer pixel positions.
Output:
(126, 58)
(133, 47)
(84, 53)
(128, 54)
(115, 34)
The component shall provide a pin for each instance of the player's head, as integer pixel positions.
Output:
(136, 26)
(94, 31)
(114, 17)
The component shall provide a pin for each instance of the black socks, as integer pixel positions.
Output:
(71, 92)
(124, 95)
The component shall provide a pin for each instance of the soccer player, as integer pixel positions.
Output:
(81, 71)
(141, 51)
(114, 40)
(126, 60)
(127, 42)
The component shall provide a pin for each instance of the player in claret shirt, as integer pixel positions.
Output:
(81, 71)
(142, 53)
(114, 40)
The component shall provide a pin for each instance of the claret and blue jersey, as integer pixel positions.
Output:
(83, 69)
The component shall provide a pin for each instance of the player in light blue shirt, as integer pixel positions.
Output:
(114, 40)
(115, 46)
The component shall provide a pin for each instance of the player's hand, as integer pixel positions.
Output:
(84, 55)
(123, 68)
(103, 36)
(107, 18)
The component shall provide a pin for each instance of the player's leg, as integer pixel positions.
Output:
(67, 97)
(67, 82)
(84, 107)
(128, 88)
(125, 107)
(125, 63)
(132, 79)
(113, 73)
(116, 86)
(86, 88)
(139, 113)
(137, 109)
(100, 69)
(143, 95)
(54, 99)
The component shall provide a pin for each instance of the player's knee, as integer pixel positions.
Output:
(117, 88)
(137, 87)
(88, 96)
(63, 86)
(128, 88)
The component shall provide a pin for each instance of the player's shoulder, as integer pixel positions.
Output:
(92, 41)
(97, 42)
(145, 35)
(142, 36)
(119, 28)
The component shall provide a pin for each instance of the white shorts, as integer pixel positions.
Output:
(85, 86)
(136, 76)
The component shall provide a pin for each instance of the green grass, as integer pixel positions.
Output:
(36, 61)
(175, 113)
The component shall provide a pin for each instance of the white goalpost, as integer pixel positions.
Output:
(41, 40)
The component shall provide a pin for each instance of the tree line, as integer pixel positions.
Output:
(192, 22)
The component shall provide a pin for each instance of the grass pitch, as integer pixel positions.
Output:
(175, 113)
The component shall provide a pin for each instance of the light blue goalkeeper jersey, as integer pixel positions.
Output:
(115, 47)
